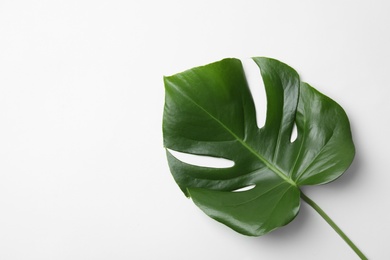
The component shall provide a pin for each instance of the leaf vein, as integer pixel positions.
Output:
(273, 168)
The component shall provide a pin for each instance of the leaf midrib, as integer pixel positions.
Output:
(250, 149)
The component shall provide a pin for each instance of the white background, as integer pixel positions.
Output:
(83, 173)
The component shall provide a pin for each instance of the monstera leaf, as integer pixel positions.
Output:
(209, 111)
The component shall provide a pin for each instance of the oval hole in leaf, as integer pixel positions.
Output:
(256, 86)
(294, 133)
(246, 188)
(202, 160)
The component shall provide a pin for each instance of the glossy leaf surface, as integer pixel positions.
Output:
(209, 111)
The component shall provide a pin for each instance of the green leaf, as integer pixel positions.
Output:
(209, 111)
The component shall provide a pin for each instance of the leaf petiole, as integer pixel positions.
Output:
(333, 225)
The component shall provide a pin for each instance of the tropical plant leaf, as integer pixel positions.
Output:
(209, 111)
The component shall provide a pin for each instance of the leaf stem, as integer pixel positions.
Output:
(333, 225)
